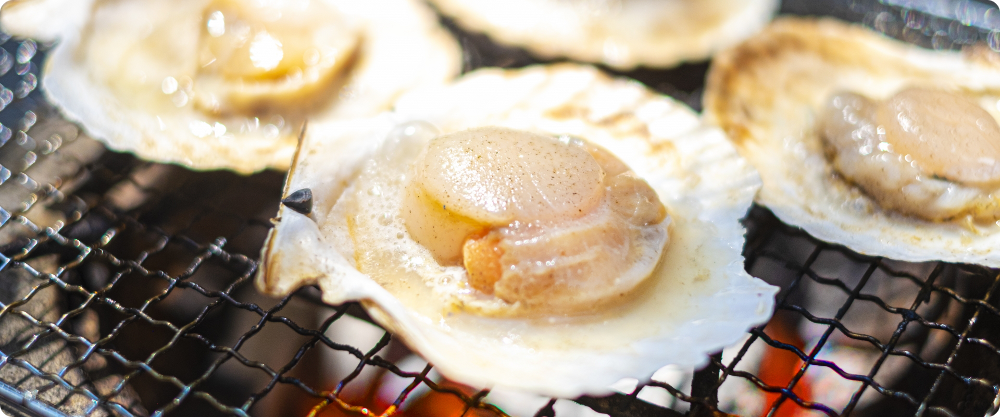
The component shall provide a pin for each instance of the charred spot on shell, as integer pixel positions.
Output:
(301, 201)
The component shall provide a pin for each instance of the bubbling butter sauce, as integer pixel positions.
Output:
(375, 231)
(247, 68)
(922, 152)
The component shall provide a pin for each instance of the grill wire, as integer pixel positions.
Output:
(126, 290)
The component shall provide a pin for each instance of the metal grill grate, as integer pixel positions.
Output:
(125, 290)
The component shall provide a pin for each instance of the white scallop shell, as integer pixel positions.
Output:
(698, 301)
(404, 48)
(620, 33)
(767, 93)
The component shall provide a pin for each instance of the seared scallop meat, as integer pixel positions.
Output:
(925, 153)
(551, 222)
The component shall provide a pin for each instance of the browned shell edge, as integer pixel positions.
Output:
(266, 273)
(839, 41)
(723, 102)
(729, 75)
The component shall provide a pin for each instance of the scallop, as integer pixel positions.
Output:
(227, 84)
(620, 33)
(924, 153)
(538, 222)
(520, 223)
(862, 140)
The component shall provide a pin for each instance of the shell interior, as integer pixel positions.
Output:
(697, 301)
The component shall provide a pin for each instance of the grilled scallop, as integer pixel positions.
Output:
(226, 84)
(862, 140)
(517, 224)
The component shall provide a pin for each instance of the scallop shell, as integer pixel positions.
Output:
(698, 301)
(397, 34)
(767, 93)
(620, 33)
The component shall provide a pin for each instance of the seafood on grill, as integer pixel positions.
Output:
(519, 223)
(884, 147)
(226, 84)
(620, 33)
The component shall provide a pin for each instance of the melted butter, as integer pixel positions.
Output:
(948, 135)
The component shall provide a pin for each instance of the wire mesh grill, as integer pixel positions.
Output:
(125, 290)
